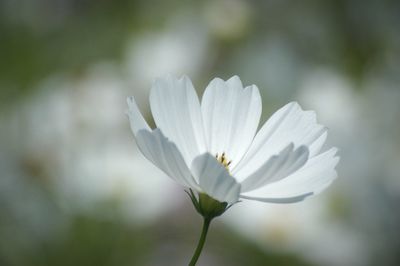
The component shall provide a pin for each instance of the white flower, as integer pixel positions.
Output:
(213, 147)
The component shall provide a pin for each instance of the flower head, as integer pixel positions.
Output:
(213, 147)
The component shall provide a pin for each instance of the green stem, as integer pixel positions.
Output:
(202, 240)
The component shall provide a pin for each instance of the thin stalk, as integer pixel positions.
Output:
(202, 240)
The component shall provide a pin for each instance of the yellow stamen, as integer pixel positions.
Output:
(223, 160)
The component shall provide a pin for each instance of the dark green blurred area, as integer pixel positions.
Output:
(101, 236)
(38, 39)
(41, 37)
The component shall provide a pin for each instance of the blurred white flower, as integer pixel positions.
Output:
(180, 48)
(327, 92)
(213, 148)
(73, 149)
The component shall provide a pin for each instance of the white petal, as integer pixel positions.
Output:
(288, 124)
(176, 111)
(279, 200)
(317, 174)
(165, 155)
(231, 115)
(214, 179)
(316, 146)
(135, 117)
(277, 167)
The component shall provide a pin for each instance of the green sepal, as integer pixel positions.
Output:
(210, 207)
(193, 199)
(207, 206)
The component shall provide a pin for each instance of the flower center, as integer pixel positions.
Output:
(223, 160)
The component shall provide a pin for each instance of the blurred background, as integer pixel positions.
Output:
(74, 190)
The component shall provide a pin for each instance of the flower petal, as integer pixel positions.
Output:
(288, 124)
(317, 174)
(165, 155)
(135, 117)
(214, 179)
(231, 115)
(277, 167)
(176, 111)
(279, 200)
